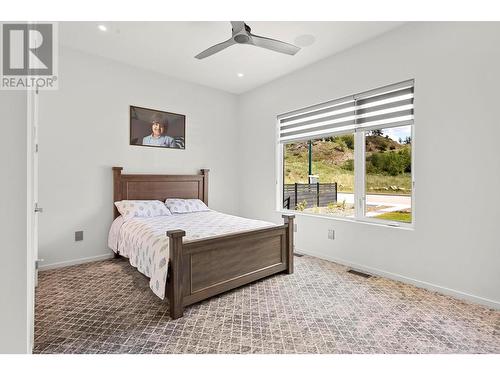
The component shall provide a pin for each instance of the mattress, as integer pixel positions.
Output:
(145, 243)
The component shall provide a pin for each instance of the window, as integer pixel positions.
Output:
(350, 157)
(319, 175)
(388, 185)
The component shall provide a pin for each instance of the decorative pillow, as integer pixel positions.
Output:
(130, 209)
(182, 206)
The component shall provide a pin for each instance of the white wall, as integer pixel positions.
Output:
(13, 227)
(454, 246)
(84, 131)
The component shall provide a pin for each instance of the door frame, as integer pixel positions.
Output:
(31, 216)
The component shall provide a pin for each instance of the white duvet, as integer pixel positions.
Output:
(144, 240)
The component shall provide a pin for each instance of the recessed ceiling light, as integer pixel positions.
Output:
(240, 75)
(102, 27)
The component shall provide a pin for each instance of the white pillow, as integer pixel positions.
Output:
(182, 206)
(130, 209)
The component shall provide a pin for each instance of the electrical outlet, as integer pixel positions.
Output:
(295, 227)
(79, 235)
(331, 234)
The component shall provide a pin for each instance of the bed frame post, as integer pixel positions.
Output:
(288, 219)
(176, 287)
(117, 194)
(204, 172)
(117, 189)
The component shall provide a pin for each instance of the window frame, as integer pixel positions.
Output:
(359, 177)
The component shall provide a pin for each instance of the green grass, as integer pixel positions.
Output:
(296, 171)
(404, 217)
(394, 185)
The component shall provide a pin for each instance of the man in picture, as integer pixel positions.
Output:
(156, 138)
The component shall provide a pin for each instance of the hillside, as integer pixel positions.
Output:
(376, 143)
(388, 163)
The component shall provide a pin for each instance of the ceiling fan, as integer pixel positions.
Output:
(242, 35)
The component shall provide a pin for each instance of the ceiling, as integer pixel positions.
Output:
(169, 47)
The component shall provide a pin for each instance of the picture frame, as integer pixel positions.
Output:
(155, 128)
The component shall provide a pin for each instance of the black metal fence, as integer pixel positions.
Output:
(313, 194)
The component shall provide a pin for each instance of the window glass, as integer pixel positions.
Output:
(318, 176)
(388, 179)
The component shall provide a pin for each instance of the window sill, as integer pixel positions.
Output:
(367, 221)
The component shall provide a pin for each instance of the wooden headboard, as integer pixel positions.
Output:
(158, 186)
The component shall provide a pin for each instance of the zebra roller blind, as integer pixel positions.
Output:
(387, 106)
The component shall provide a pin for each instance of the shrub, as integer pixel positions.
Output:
(340, 145)
(301, 206)
(391, 162)
(348, 140)
(348, 165)
(332, 207)
(342, 205)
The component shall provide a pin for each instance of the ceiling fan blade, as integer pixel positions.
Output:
(237, 26)
(273, 44)
(214, 49)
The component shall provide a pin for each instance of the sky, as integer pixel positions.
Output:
(399, 132)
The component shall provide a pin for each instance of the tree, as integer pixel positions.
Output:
(349, 140)
(408, 140)
(377, 132)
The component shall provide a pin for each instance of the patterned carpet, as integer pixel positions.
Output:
(107, 307)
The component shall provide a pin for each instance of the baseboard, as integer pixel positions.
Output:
(50, 266)
(418, 283)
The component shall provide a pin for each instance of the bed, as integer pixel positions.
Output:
(192, 257)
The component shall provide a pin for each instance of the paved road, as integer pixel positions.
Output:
(393, 202)
(378, 199)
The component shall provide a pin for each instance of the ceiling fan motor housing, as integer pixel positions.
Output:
(241, 38)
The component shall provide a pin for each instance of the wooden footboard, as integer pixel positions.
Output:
(203, 268)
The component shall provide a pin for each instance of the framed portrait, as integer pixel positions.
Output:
(154, 128)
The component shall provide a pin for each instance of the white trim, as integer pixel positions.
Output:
(367, 221)
(389, 223)
(278, 169)
(73, 262)
(30, 243)
(359, 175)
(408, 280)
(413, 169)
